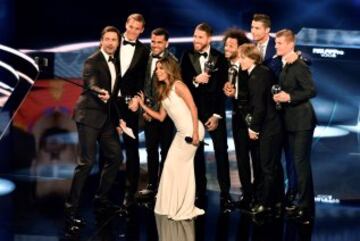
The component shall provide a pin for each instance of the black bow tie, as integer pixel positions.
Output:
(125, 42)
(156, 56)
(111, 59)
(204, 54)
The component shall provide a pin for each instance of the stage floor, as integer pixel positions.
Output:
(31, 214)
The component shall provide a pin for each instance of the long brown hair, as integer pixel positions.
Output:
(172, 68)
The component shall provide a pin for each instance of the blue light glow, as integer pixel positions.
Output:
(6, 187)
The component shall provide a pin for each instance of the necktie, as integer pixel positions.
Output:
(262, 48)
(111, 59)
(204, 54)
(125, 42)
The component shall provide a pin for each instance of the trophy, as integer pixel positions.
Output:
(232, 73)
(275, 89)
(209, 67)
(248, 119)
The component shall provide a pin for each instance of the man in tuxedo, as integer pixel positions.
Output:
(299, 119)
(133, 57)
(237, 88)
(157, 134)
(96, 119)
(204, 72)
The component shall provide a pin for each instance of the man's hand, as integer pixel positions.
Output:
(103, 95)
(282, 97)
(147, 117)
(202, 78)
(121, 127)
(229, 89)
(291, 57)
(212, 123)
(253, 135)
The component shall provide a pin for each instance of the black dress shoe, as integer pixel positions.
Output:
(227, 204)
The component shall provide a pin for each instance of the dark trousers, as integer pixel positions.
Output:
(108, 140)
(132, 152)
(300, 148)
(290, 169)
(244, 147)
(270, 174)
(219, 139)
(157, 134)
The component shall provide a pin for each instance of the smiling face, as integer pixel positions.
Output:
(158, 44)
(109, 42)
(201, 40)
(133, 29)
(231, 48)
(161, 72)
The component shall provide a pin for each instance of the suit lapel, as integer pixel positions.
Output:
(135, 58)
(105, 66)
(194, 59)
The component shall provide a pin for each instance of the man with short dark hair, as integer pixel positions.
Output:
(96, 119)
(157, 134)
(204, 71)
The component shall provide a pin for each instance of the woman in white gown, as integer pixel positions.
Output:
(176, 193)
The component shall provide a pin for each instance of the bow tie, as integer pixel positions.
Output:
(125, 42)
(111, 59)
(204, 54)
(156, 56)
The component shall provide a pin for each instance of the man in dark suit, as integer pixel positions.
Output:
(299, 118)
(133, 57)
(264, 125)
(204, 72)
(260, 30)
(96, 120)
(157, 134)
(237, 89)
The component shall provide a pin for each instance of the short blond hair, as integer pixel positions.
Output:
(252, 52)
(287, 34)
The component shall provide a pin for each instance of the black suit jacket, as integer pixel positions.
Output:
(296, 80)
(265, 118)
(133, 79)
(89, 109)
(209, 98)
(150, 87)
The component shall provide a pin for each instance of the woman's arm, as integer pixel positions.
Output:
(154, 114)
(182, 91)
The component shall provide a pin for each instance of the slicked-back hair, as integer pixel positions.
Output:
(205, 27)
(265, 19)
(137, 17)
(110, 29)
